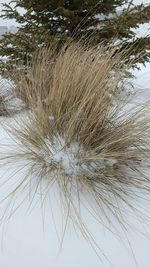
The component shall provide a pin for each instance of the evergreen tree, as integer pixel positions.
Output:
(43, 22)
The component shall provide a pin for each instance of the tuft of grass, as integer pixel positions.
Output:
(11, 98)
(3, 111)
(81, 132)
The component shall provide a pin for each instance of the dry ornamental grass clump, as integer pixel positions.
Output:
(80, 132)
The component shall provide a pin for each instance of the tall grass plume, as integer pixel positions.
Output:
(81, 132)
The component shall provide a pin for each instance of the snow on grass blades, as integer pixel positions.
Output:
(81, 133)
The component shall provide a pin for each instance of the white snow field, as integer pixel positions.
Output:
(29, 238)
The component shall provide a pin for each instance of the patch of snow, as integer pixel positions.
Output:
(51, 118)
(59, 154)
